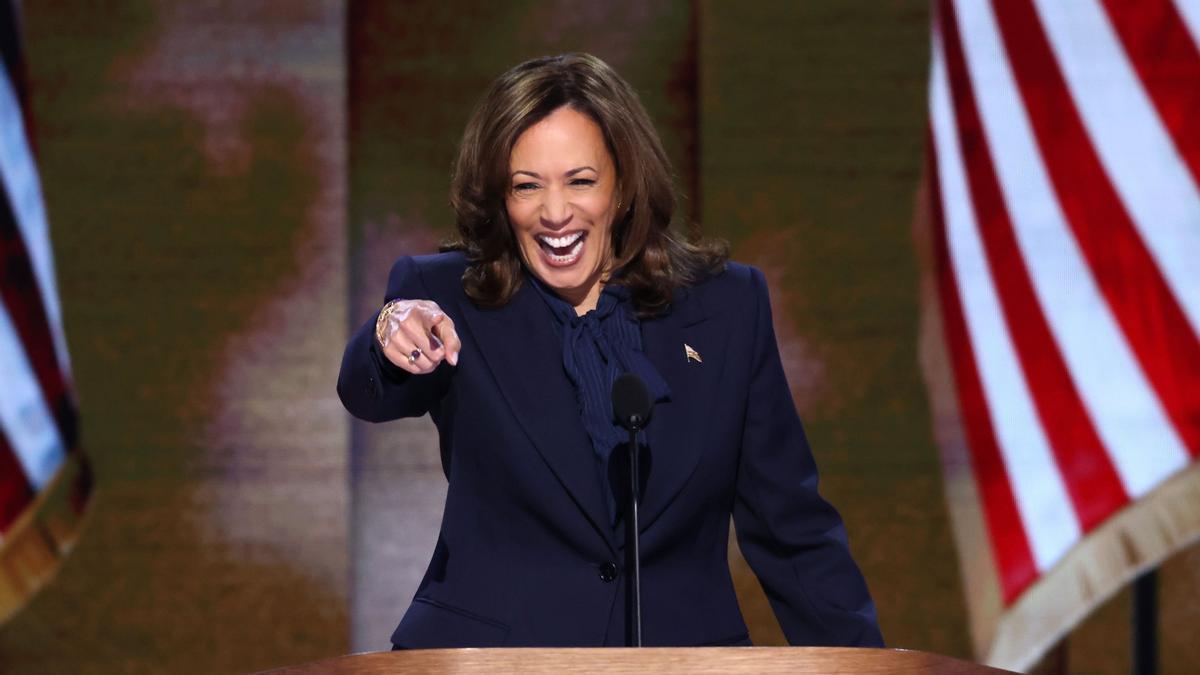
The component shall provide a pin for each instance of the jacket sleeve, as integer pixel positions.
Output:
(792, 538)
(373, 388)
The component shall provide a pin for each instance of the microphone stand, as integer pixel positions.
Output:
(635, 578)
(631, 409)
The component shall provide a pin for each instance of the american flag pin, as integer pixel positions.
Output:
(691, 354)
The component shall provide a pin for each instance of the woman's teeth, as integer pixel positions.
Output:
(562, 250)
(560, 242)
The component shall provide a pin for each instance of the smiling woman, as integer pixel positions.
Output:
(568, 274)
(561, 204)
(546, 112)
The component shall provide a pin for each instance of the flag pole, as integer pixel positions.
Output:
(1145, 623)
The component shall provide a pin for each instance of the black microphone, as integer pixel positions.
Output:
(631, 407)
(631, 402)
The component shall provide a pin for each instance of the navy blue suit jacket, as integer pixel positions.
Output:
(527, 553)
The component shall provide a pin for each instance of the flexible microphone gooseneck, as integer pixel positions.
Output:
(631, 408)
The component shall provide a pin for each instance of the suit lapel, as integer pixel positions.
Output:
(521, 349)
(678, 426)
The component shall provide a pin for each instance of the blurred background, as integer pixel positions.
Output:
(226, 185)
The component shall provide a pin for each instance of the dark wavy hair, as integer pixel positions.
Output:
(650, 257)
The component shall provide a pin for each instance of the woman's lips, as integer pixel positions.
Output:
(561, 251)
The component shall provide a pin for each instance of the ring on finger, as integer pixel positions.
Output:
(414, 355)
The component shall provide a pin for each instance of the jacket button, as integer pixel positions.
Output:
(608, 572)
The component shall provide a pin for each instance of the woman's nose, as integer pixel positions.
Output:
(556, 210)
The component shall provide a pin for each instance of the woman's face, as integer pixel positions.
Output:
(561, 203)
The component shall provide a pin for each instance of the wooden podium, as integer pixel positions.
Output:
(652, 659)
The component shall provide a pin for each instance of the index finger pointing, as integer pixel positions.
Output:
(431, 316)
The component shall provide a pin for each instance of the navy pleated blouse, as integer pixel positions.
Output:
(597, 348)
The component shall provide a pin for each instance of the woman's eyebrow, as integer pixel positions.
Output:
(570, 173)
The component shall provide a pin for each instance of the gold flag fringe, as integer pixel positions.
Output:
(37, 543)
(1141, 537)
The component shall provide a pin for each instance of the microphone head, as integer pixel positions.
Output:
(631, 402)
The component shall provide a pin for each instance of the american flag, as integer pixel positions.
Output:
(39, 460)
(1064, 213)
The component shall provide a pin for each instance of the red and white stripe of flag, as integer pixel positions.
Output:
(1065, 156)
(37, 413)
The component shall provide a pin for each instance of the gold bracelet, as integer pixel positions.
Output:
(381, 323)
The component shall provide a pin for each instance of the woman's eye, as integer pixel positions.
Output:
(583, 181)
(524, 187)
